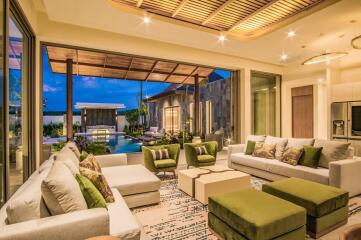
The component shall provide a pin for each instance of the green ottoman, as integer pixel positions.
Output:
(327, 207)
(250, 214)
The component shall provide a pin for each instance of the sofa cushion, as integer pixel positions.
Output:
(28, 204)
(300, 142)
(61, 192)
(67, 161)
(74, 148)
(320, 175)
(250, 147)
(100, 182)
(90, 162)
(256, 138)
(159, 154)
(92, 196)
(323, 200)
(332, 151)
(264, 150)
(202, 150)
(122, 223)
(131, 179)
(250, 161)
(292, 155)
(205, 158)
(66, 153)
(165, 163)
(311, 156)
(280, 145)
(257, 215)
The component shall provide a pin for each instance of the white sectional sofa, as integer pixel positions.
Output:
(131, 185)
(343, 173)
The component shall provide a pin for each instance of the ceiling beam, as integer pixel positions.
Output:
(252, 15)
(192, 73)
(127, 68)
(139, 3)
(212, 15)
(105, 64)
(154, 64)
(130, 66)
(172, 72)
(180, 7)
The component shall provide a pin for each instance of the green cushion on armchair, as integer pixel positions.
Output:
(195, 160)
(163, 164)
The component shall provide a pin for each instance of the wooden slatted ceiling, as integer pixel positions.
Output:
(239, 17)
(97, 64)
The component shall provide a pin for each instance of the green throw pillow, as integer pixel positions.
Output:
(250, 147)
(311, 156)
(83, 155)
(92, 196)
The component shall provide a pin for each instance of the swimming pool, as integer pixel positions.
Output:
(118, 143)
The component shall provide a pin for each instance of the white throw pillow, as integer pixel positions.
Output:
(74, 148)
(65, 152)
(28, 204)
(61, 191)
(256, 138)
(332, 151)
(68, 159)
(300, 142)
(280, 145)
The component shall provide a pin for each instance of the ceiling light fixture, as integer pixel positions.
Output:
(146, 19)
(356, 42)
(325, 57)
(222, 37)
(291, 34)
(284, 57)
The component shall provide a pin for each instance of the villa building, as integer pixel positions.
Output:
(281, 79)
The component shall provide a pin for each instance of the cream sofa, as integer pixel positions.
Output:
(131, 185)
(344, 173)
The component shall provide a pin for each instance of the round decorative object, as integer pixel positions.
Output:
(325, 57)
(356, 42)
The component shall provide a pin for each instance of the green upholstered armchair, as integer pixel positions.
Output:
(200, 160)
(164, 165)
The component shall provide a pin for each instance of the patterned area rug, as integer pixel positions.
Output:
(180, 217)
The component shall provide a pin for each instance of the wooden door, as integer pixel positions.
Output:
(302, 112)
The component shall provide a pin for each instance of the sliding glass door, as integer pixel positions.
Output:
(2, 108)
(266, 97)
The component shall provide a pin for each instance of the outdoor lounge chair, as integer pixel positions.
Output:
(195, 160)
(163, 165)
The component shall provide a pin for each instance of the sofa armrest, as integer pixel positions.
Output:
(76, 225)
(235, 148)
(345, 174)
(112, 160)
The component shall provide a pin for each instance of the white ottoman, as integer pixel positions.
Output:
(204, 182)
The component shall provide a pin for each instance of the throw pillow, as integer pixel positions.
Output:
(280, 145)
(263, 150)
(99, 182)
(292, 155)
(160, 154)
(92, 196)
(300, 142)
(311, 156)
(91, 163)
(332, 151)
(67, 153)
(83, 155)
(74, 148)
(256, 138)
(202, 150)
(61, 192)
(250, 147)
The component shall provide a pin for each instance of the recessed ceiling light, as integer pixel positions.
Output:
(284, 57)
(291, 34)
(146, 19)
(222, 37)
(320, 80)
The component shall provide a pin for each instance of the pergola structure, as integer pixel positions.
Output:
(74, 61)
(241, 18)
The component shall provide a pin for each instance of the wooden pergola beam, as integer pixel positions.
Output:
(69, 99)
(139, 3)
(180, 7)
(105, 64)
(252, 15)
(171, 73)
(128, 68)
(154, 64)
(191, 74)
(224, 5)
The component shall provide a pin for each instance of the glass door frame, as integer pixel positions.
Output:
(12, 9)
